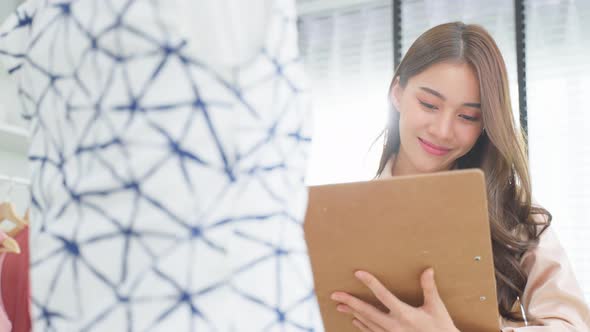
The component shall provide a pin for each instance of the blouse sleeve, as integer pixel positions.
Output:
(552, 293)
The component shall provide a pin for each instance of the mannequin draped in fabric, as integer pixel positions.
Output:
(169, 142)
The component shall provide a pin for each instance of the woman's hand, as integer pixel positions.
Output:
(431, 316)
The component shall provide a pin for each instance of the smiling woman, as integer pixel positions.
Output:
(440, 114)
(451, 110)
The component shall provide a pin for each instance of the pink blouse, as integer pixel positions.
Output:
(552, 293)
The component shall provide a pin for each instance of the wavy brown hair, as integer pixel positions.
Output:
(500, 151)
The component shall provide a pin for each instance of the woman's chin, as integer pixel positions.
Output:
(433, 168)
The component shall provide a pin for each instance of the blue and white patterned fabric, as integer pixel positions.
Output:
(167, 167)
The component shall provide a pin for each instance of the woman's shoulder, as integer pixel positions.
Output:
(553, 293)
(548, 254)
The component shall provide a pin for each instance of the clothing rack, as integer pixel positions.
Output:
(15, 180)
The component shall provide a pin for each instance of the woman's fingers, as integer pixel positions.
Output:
(364, 309)
(431, 296)
(395, 305)
(360, 325)
(368, 323)
(432, 316)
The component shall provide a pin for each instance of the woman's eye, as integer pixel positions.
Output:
(469, 118)
(429, 106)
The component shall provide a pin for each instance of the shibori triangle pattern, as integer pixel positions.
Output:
(168, 194)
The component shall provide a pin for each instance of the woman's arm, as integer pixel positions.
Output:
(552, 293)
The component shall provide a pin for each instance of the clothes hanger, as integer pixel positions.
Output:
(7, 212)
(8, 244)
(21, 223)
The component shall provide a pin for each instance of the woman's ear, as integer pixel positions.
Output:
(396, 94)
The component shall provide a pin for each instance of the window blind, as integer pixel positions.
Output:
(348, 52)
(558, 76)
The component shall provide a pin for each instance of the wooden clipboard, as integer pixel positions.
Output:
(395, 229)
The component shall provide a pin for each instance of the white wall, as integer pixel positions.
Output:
(6, 7)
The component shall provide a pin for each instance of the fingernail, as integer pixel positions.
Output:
(431, 272)
(359, 274)
(334, 296)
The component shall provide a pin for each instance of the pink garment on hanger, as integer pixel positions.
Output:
(15, 285)
(5, 324)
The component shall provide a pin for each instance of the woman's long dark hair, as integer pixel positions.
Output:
(500, 152)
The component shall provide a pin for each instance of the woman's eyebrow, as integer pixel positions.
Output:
(440, 95)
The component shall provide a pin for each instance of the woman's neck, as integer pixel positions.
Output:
(401, 165)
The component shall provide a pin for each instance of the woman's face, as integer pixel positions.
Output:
(440, 117)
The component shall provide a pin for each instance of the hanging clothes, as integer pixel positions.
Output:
(5, 324)
(15, 285)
